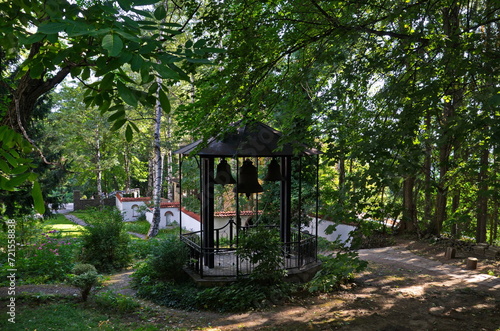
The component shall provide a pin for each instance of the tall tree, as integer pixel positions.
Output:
(393, 86)
(94, 42)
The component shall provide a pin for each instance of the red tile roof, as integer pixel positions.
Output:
(170, 205)
(122, 199)
(190, 213)
(233, 213)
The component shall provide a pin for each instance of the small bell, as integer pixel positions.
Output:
(273, 172)
(223, 175)
(248, 181)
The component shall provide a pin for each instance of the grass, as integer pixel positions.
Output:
(104, 311)
(63, 225)
(72, 316)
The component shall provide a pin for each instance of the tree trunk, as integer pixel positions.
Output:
(157, 182)
(99, 168)
(482, 199)
(454, 94)
(455, 203)
(427, 174)
(28, 91)
(409, 222)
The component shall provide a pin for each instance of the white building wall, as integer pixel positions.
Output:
(342, 231)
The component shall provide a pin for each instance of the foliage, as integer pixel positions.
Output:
(64, 314)
(105, 244)
(16, 167)
(263, 248)
(243, 296)
(142, 248)
(84, 277)
(109, 300)
(335, 271)
(405, 113)
(165, 262)
(168, 294)
(46, 257)
(138, 226)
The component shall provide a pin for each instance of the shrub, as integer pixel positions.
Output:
(142, 248)
(105, 243)
(84, 277)
(110, 300)
(168, 259)
(263, 248)
(47, 257)
(335, 271)
(266, 283)
(242, 296)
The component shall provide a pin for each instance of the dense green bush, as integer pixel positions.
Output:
(243, 295)
(165, 261)
(263, 248)
(336, 270)
(142, 248)
(105, 243)
(84, 277)
(110, 300)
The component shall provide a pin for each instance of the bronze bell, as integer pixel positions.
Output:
(248, 181)
(223, 175)
(273, 172)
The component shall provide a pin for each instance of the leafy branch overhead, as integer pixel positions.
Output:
(117, 49)
(95, 44)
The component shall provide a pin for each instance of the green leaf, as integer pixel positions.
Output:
(119, 114)
(128, 133)
(36, 70)
(125, 4)
(160, 13)
(16, 181)
(13, 162)
(136, 63)
(145, 2)
(164, 102)
(200, 61)
(52, 27)
(113, 44)
(4, 167)
(166, 73)
(132, 124)
(118, 124)
(107, 81)
(126, 94)
(36, 193)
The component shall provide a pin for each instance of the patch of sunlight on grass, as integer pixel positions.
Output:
(63, 225)
(67, 230)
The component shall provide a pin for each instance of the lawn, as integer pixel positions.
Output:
(68, 315)
(63, 225)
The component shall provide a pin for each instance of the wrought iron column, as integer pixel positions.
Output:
(286, 199)
(207, 209)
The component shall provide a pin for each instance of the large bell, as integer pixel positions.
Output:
(273, 172)
(223, 175)
(248, 181)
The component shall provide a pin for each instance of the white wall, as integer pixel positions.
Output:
(342, 231)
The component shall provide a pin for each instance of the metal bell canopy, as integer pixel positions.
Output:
(245, 141)
(253, 139)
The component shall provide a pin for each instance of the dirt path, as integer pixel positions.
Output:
(399, 291)
(400, 257)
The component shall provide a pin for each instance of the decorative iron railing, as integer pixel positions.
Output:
(300, 252)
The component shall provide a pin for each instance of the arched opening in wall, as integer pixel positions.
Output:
(135, 211)
(169, 218)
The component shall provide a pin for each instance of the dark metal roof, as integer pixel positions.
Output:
(255, 139)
